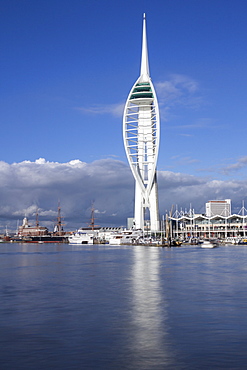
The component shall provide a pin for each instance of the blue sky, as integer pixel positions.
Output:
(66, 71)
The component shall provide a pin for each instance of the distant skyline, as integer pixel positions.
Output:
(66, 71)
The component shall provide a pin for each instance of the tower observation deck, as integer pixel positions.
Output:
(141, 133)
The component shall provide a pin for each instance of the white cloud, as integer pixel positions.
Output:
(199, 123)
(178, 91)
(227, 170)
(113, 109)
(107, 183)
(184, 160)
(238, 165)
(99, 212)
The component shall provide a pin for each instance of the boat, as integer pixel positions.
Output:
(170, 243)
(210, 243)
(126, 237)
(233, 240)
(243, 241)
(43, 239)
(116, 239)
(39, 234)
(194, 241)
(81, 237)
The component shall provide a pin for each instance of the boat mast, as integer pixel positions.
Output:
(37, 221)
(92, 220)
(59, 226)
(37, 218)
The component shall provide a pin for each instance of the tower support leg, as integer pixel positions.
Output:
(154, 207)
(139, 213)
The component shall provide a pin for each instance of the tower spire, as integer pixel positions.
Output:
(144, 59)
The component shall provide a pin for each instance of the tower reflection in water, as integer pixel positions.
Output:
(150, 341)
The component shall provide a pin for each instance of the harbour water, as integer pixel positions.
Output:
(106, 307)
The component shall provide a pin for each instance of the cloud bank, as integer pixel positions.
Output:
(108, 183)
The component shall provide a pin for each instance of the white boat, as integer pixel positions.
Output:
(115, 239)
(125, 237)
(81, 237)
(233, 240)
(209, 244)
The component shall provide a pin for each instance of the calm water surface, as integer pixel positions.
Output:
(106, 307)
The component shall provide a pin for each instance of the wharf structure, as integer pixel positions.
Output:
(141, 134)
(221, 224)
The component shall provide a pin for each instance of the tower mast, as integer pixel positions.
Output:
(144, 57)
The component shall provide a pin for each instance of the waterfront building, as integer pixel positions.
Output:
(26, 230)
(141, 133)
(130, 223)
(222, 225)
(218, 207)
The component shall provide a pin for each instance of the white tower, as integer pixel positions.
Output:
(141, 133)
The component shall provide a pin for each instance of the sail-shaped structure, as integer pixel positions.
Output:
(141, 133)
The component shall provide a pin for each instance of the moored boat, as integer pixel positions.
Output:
(44, 239)
(81, 237)
(171, 243)
(210, 243)
(126, 237)
(242, 241)
(232, 240)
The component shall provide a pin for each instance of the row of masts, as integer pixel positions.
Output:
(58, 228)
